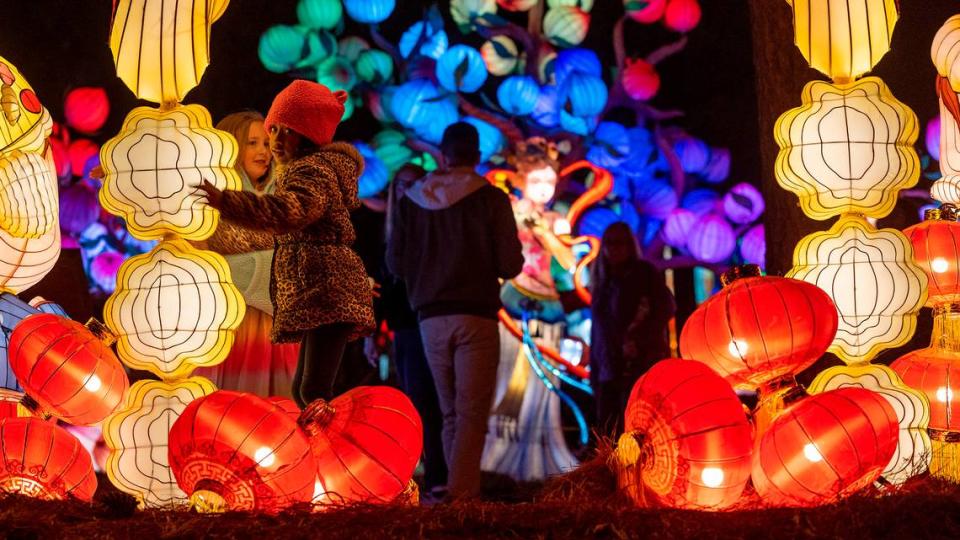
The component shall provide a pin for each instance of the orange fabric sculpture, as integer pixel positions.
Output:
(42, 460)
(687, 438)
(366, 443)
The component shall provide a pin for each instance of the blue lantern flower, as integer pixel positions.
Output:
(433, 44)
(577, 124)
(413, 101)
(576, 59)
(369, 11)
(545, 111)
(491, 139)
(461, 69)
(374, 66)
(583, 94)
(655, 198)
(639, 161)
(595, 221)
(375, 175)
(518, 94)
(611, 145)
(319, 14)
(701, 201)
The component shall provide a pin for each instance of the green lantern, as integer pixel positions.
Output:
(319, 14)
(350, 47)
(336, 73)
(374, 66)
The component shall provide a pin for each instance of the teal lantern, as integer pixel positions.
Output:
(390, 147)
(461, 69)
(320, 44)
(350, 47)
(374, 66)
(566, 26)
(611, 145)
(545, 112)
(491, 138)
(518, 94)
(583, 94)
(440, 115)
(584, 5)
(319, 14)
(580, 125)
(375, 174)
(433, 43)
(281, 47)
(414, 101)
(336, 73)
(369, 11)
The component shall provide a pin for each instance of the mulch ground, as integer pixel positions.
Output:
(583, 504)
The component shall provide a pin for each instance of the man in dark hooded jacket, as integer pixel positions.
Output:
(454, 239)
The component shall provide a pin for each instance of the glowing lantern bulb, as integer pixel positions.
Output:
(811, 453)
(944, 394)
(264, 456)
(738, 347)
(939, 265)
(712, 477)
(93, 384)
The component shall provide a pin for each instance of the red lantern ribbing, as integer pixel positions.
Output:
(42, 460)
(936, 249)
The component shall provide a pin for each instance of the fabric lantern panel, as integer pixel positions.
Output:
(25, 261)
(566, 26)
(518, 94)
(611, 145)
(844, 38)
(461, 69)
(261, 463)
(500, 55)
(319, 14)
(433, 41)
(946, 189)
(26, 123)
(350, 47)
(86, 109)
(576, 59)
(712, 239)
(150, 170)
(42, 460)
(825, 447)
(161, 49)
(936, 250)
(753, 246)
(871, 277)
(66, 368)
(743, 203)
(366, 443)
(676, 229)
(912, 455)
(28, 195)
(686, 438)
(847, 149)
(369, 11)
(137, 436)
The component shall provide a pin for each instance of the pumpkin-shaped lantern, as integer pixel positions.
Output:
(582, 94)
(44, 461)
(712, 239)
(432, 41)
(236, 451)
(66, 369)
(518, 94)
(743, 203)
(500, 55)
(640, 80)
(936, 250)
(369, 11)
(565, 26)
(825, 447)
(319, 14)
(374, 66)
(366, 444)
(753, 246)
(682, 15)
(760, 329)
(676, 228)
(687, 438)
(461, 69)
(282, 47)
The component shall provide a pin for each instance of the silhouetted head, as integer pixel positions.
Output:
(461, 145)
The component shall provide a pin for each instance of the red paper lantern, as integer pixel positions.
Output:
(80, 151)
(649, 11)
(640, 80)
(366, 443)
(237, 451)
(682, 15)
(42, 460)
(760, 329)
(936, 249)
(61, 158)
(66, 368)
(86, 109)
(936, 373)
(692, 436)
(825, 447)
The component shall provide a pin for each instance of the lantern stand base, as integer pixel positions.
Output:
(774, 397)
(945, 455)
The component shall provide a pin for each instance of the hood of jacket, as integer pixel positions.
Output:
(444, 189)
(347, 164)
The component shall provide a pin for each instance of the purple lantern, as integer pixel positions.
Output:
(79, 207)
(104, 268)
(718, 168)
(677, 227)
(743, 203)
(694, 154)
(753, 246)
(655, 198)
(596, 220)
(712, 239)
(701, 201)
(933, 138)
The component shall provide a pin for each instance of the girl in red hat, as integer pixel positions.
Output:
(319, 288)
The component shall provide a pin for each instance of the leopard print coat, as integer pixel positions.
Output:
(317, 278)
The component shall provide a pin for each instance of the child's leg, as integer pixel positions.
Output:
(321, 353)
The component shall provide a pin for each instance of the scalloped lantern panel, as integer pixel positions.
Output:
(24, 261)
(946, 189)
(946, 49)
(29, 206)
(843, 38)
(24, 122)
(174, 309)
(848, 148)
(137, 436)
(150, 170)
(160, 48)
(871, 277)
(912, 456)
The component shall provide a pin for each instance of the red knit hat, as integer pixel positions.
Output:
(308, 108)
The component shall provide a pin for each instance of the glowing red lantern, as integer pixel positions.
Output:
(687, 437)
(86, 109)
(760, 329)
(936, 249)
(825, 447)
(66, 369)
(935, 371)
(682, 15)
(366, 443)
(640, 80)
(237, 451)
(645, 12)
(42, 460)
(80, 151)
(61, 158)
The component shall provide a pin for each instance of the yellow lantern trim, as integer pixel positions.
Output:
(872, 279)
(912, 407)
(150, 170)
(843, 39)
(174, 309)
(847, 149)
(136, 435)
(29, 203)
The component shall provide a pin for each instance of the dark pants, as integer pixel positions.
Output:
(321, 351)
(417, 381)
(611, 400)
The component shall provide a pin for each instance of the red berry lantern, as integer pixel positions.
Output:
(67, 369)
(687, 438)
(42, 460)
(682, 15)
(646, 12)
(760, 329)
(825, 447)
(236, 451)
(640, 80)
(366, 443)
(86, 109)
(80, 151)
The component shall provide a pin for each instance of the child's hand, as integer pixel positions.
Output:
(374, 287)
(211, 193)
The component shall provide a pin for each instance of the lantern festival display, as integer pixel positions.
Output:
(237, 451)
(686, 438)
(28, 195)
(44, 461)
(366, 443)
(174, 308)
